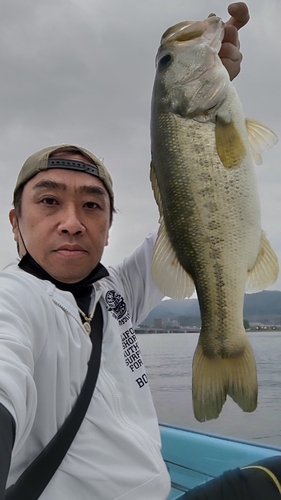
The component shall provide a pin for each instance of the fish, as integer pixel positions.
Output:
(210, 239)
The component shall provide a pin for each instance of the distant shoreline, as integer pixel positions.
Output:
(149, 331)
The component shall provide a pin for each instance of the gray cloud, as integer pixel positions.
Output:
(82, 71)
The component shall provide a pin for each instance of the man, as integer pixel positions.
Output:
(63, 208)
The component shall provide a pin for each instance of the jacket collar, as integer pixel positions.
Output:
(28, 264)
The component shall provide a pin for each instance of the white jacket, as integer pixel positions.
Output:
(43, 362)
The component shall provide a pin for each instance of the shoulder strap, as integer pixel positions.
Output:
(35, 478)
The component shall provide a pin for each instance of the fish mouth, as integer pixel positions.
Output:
(211, 29)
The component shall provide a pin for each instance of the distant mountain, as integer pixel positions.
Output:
(263, 307)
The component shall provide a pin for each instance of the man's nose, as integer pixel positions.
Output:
(70, 222)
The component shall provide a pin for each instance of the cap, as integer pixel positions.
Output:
(41, 160)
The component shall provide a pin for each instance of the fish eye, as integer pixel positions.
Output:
(165, 60)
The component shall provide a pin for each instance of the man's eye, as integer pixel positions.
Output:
(92, 204)
(49, 201)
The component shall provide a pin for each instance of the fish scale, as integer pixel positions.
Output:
(210, 236)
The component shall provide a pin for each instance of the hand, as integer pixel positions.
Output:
(230, 54)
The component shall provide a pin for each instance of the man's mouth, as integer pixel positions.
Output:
(68, 250)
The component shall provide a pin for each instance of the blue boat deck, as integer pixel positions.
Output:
(193, 458)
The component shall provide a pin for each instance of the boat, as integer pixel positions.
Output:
(193, 457)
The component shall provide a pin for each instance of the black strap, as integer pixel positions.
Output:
(35, 478)
(7, 438)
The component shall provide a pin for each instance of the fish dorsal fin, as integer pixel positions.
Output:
(260, 138)
(167, 273)
(266, 269)
(230, 146)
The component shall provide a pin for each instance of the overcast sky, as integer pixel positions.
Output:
(81, 72)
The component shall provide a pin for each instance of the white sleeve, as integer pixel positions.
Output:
(134, 276)
(19, 341)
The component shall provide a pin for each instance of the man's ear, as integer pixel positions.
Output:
(14, 223)
(107, 236)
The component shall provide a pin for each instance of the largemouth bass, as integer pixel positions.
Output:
(210, 236)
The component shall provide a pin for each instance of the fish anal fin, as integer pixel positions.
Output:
(215, 378)
(229, 143)
(266, 268)
(167, 273)
(260, 137)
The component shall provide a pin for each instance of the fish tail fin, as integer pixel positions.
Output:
(242, 382)
(215, 378)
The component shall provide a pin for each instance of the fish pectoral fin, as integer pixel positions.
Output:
(215, 378)
(167, 273)
(229, 143)
(260, 138)
(266, 268)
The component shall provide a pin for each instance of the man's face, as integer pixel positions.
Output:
(64, 222)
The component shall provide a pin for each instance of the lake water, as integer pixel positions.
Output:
(168, 360)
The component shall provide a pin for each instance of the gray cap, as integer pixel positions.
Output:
(41, 160)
